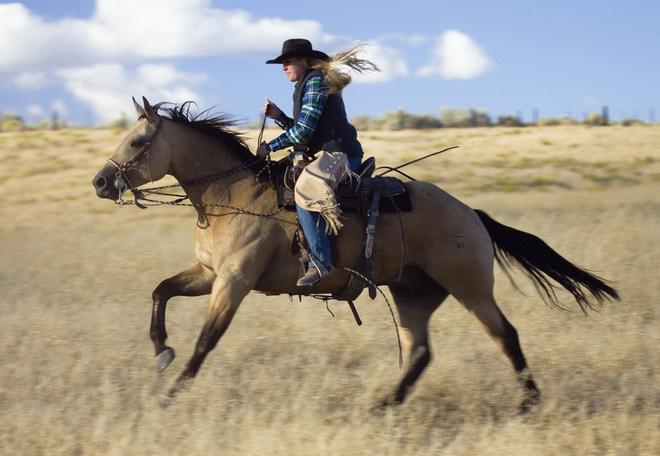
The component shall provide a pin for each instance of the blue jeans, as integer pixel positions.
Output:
(314, 225)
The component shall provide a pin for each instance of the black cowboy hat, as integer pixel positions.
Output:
(298, 47)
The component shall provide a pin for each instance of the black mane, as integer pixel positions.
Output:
(217, 125)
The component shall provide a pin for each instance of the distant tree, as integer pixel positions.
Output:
(630, 121)
(509, 121)
(121, 123)
(594, 118)
(460, 118)
(11, 122)
(567, 120)
(481, 118)
(361, 122)
(396, 120)
(553, 121)
(455, 118)
(422, 121)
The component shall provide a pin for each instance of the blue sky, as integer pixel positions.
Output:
(86, 59)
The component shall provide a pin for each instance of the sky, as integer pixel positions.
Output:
(86, 59)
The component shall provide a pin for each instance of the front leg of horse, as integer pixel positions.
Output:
(194, 281)
(227, 295)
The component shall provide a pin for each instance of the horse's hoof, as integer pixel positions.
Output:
(529, 403)
(165, 401)
(385, 403)
(165, 358)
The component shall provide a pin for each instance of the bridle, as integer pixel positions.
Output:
(122, 182)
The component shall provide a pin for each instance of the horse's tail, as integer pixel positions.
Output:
(541, 263)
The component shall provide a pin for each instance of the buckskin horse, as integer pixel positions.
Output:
(243, 243)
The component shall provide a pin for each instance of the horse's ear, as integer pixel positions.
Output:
(138, 109)
(149, 111)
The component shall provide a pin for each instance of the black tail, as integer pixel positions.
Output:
(542, 263)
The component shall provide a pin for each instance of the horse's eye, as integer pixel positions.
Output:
(139, 142)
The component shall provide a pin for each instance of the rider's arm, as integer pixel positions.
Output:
(313, 102)
(285, 122)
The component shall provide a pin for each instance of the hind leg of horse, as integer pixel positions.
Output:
(194, 281)
(415, 302)
(506, 337)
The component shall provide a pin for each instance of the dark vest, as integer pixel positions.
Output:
(333, 133)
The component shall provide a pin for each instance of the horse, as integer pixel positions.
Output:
(243, 243)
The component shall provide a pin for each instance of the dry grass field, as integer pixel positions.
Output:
(77, 375)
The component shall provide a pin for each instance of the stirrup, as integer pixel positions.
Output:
(314, 273)
(311, 277)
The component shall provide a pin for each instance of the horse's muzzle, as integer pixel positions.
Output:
(104, 184)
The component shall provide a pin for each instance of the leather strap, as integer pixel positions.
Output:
(372, 218)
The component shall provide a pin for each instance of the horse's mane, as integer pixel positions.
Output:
(217, 125)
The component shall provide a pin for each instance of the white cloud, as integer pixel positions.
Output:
(129, 31)
(35, 111)
(456, 56)
(27, 42)
(101, 60)
(159, 75)
(106, 87)
(390, 61)
(30, 81)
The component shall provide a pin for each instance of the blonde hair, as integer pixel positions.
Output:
(334, 69)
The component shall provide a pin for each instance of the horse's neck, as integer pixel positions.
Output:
(198, 156)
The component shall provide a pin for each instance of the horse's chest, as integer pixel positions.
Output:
(203, 248)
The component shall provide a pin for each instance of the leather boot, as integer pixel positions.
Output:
(312, 276)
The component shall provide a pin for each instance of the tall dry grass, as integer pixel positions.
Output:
(77, 373)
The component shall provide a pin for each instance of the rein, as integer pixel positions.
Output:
(141, 200)
(397, 169)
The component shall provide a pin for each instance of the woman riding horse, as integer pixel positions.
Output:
(319, 124)
(245, 245)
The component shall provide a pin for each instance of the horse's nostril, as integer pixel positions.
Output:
(100, 182)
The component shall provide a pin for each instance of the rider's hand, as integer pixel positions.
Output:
(263, 150)
(271, 110)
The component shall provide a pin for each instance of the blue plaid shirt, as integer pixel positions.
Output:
(313, 101)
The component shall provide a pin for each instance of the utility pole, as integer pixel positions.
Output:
(606, 115)
(54, 122)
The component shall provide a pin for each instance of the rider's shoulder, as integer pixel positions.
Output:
(315, 80)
